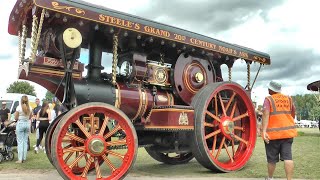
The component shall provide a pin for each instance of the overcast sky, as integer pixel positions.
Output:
(286, 29)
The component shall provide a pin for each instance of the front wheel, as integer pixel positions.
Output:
(81, 141)
(225, 127)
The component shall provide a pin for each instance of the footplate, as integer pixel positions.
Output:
(170, 118)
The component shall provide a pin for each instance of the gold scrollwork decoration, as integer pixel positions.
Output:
(69, 8)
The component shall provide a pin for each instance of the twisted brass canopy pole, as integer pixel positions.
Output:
(115, 59)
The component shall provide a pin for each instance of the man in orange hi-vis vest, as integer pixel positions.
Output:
(278, 129)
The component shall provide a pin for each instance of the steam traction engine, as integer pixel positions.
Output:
(165, 92)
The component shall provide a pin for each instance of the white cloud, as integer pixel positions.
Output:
(130, 6)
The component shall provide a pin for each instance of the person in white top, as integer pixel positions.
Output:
(53, 112)
(23, 115)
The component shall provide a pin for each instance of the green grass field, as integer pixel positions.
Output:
(306, 154)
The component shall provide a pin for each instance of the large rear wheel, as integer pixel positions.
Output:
(225, 127)
(79, 140)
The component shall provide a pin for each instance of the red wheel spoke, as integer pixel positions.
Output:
(74, 137)
(86, 168)
(92, 124)
(83, 129)
(68, 157)
(222, 106)
(74, 149)
(108, 162)
(104, 125)
(77, 155)
(115, 154)
(69, 145)
(220, 147)
(232, 144)
(115, 143)
(230, 100)
(226, 148)
(214, 144)
(209, 125)
(216, 104)
(233, 109)
(66, 140)
(86, 157)
(97, 166)
(240, 139)
(76, 160)
(117, 128)
(241, 116)
(239, 128)
(212, 134)
(213, 116)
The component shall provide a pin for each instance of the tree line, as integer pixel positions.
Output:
(307, 107)
(24, 87)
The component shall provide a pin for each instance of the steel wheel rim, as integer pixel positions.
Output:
(84, 152)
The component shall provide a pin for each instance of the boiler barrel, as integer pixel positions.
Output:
(137, 102)
(133, 101)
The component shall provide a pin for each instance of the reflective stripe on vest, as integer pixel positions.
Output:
(280, 112)
(280, 128)
(281, 123)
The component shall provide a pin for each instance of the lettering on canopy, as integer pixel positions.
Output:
(173, 36)
(138, 27)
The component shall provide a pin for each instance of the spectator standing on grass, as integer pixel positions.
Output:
(4, 114)
(259, 120)
(23, 115)
(278, 129)
(35, 122)
(52, 111)
(35, 112)
(44, 116)
(56, 105)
